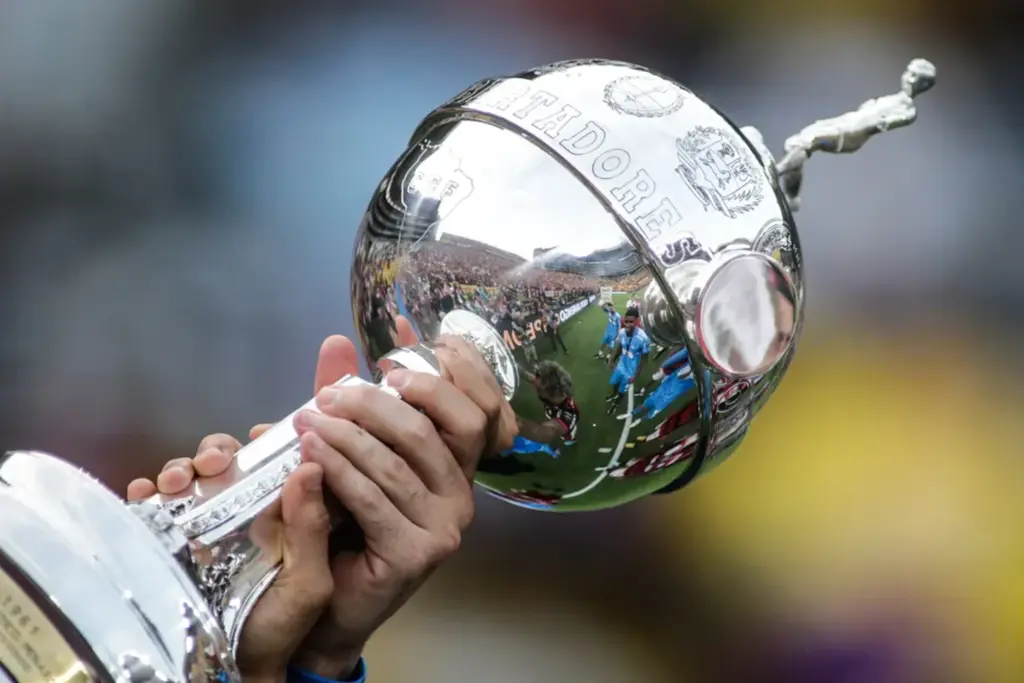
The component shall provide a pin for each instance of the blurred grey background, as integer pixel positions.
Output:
(180, 184)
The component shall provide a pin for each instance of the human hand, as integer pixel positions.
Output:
(412, 499)
(371, 583)
(297, 527)
(411, 503)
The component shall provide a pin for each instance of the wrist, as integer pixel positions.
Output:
(358, 675)
(341, 665)
(279, 677)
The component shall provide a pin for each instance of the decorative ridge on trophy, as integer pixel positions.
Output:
(623, 256)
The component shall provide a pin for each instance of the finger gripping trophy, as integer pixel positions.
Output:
(623, 256)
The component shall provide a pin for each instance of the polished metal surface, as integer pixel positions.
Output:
(624, 257)
(521, 200)
(109, 578)
(524, 199)
(516, 205)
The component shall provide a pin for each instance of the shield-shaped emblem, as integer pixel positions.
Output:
(719, 171)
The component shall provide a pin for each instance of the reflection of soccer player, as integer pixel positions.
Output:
(529, 348)
(676, 379)
(554, 389)
(674, 362)
(634, 303)
(631, 346)
(611, 330)
(551, 317)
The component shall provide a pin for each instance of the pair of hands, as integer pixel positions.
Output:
(403, 476)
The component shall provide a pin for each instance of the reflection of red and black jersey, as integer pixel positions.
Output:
(535, 497)
(680, 418)
(664, 458)
(728, 394)
(567, 414)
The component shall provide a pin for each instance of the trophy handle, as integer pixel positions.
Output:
(849, 132)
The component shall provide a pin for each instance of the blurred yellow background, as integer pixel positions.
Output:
(179, 188)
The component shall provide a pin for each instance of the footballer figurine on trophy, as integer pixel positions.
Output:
(848, 133)
(516, 205)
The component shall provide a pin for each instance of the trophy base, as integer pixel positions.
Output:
(103, 578)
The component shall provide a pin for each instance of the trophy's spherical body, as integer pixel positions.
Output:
(88, 592)
(533, 200)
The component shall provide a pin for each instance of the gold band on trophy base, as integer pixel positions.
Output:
(32, 649)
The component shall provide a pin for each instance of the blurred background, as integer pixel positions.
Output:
(180, 184)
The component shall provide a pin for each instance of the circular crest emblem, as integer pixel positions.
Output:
(643, 95)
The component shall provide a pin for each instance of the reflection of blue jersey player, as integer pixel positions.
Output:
(676, 379)
(554, 389)
(631, 347)
(611, 330)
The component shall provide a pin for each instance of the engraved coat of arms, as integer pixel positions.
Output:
(718, 171)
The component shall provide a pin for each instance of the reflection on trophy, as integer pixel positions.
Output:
(623, 256)
(95, 590)
(635, 250)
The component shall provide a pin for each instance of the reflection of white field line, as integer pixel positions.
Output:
(615, 454)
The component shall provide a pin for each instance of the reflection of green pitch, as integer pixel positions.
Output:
(580, 470)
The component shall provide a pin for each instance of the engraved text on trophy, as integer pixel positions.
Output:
(591, 148)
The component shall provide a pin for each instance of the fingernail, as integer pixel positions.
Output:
(399, 378)
(210, 452)
(167, 477)
(327, 396)
(305, 419)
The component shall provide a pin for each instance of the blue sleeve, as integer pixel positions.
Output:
(300, 676)
(675, 359)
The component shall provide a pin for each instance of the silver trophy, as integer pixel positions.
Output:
(624, 257)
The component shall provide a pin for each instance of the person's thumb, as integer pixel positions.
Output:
(306, 570)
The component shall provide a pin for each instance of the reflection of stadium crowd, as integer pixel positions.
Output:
(629, 284)
(452, 273)
(486, 281)
(443, 276)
